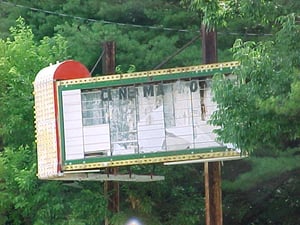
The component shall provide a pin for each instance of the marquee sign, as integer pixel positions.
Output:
(127, 119)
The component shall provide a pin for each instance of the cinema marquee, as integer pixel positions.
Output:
(88, 123)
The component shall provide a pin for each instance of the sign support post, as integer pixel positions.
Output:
(212, 170)
(111, 188)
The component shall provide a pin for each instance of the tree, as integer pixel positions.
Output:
(257, 107)
(23, 198)
(264, 95)
(137, 27)
(21, 59)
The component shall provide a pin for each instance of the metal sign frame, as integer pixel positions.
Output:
(148, 77)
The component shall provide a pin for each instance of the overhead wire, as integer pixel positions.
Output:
(124, 24)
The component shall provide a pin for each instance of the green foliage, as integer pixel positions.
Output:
(40, 22)
(259, 106)
(145, 49)
(252, 103)
(267, 193)
(19, 183)
(88, 206)
(263, 168)
(131, 69)
(261, 11)
(213, 12)
(84, 42)
(21, 59)
(177, 200)
(23, 198)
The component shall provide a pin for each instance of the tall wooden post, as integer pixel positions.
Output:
(212, 170)
(109, 57)
(111, 188)
(112, 193)
(209, 45)
(213, 193)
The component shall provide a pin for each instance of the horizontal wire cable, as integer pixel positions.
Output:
(125, 24)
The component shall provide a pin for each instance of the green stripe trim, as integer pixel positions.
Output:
(61, 126)
(146, 155)
(222, 155)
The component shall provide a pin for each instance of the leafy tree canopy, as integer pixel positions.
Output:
(257, 107)
(23, 198)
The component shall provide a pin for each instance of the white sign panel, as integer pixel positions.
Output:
(137, 119)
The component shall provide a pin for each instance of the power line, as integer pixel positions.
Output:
(94, 20)
(123, 24)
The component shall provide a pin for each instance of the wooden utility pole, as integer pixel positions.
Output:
(213, 193)
(212, 170)
(111, 188)
(209, 45)
(109, 57)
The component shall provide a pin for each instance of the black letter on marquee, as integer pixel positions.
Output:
(148, 90)
(131, 92)
(122, 93)
(106, 95)
(193, 86)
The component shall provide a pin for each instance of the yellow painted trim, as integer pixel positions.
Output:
(199, 68)
(127, 162)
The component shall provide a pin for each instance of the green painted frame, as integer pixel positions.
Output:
(148, 77)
